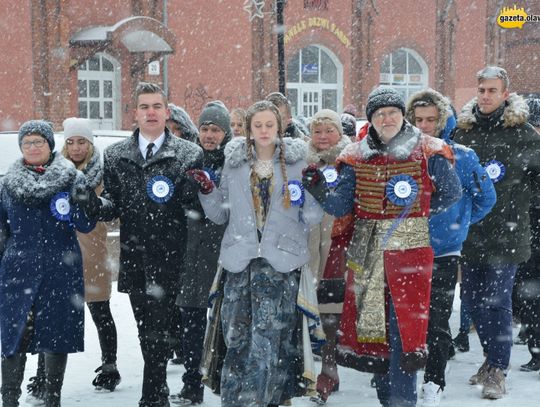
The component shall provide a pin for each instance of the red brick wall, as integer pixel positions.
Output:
(213, 55)
(16, 104)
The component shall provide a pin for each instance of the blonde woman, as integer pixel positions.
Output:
(265, 244)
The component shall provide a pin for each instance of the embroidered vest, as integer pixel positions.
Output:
(372, 176)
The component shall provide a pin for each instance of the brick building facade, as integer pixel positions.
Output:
(64, 58)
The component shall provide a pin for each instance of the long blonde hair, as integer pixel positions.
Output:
(263, 106)
(81, 166)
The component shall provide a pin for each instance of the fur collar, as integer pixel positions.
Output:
(94, 170)
(400, 147)
(236, 154)
(326, 156)
(515, 113)
(442, 104)
(32, 189)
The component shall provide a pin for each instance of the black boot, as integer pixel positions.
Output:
(189, 396)
(532, 366)
(108, 377)
(55, 368)
(12, 377)
(461, 342)
(36, 387)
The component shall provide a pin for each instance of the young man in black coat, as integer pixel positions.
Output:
(146, 188)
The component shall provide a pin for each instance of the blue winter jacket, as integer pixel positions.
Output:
(449, 228)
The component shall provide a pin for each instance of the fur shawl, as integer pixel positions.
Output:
(515, 114)
(329, 156)
(400, 147)
(25, 186)
(236, 151)
(94, 170)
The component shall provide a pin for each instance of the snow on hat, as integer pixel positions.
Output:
(40, 127)
(75, 126)
(534, 111)
(216, 113)
(348, 122)
(184, 122)
(327, 115)
(383, 96)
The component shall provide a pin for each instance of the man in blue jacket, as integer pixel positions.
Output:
(432, 114)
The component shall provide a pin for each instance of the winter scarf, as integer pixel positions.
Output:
(29, 188)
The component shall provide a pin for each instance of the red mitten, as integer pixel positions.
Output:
(311, 175)
(205, 183)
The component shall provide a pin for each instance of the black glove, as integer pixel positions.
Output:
(87, 199)
(186, 188)
(314, 182)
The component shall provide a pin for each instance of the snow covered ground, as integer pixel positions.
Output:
(523, 388)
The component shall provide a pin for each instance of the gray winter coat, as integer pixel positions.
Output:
(284, 241)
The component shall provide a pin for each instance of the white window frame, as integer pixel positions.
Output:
(302, 87)
(115, 122)
(407, 88)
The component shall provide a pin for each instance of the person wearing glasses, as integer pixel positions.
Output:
(391, 180)
(79, 148)
(41, 273)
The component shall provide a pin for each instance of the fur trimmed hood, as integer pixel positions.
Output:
(515, 113)
(25, 186)
(236, 152)
(442, 104)
(94, 170)
(326, 156)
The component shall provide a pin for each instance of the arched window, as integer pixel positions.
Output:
(405, 71)
(314, 81)
(99, 91)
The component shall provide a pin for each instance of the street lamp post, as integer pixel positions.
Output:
(280, 4)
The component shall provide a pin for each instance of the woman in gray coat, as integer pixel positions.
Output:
(264, 246)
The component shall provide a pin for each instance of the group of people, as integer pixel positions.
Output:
(287, 231)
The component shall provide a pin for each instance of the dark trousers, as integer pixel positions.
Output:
(487, 293)
(106, 329)
(527, 295)
(193, 322)
(439, 338)
(152, 315)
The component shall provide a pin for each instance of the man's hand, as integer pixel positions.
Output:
(87, 199)
(205, 184)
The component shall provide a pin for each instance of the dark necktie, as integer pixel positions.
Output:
(149, 151)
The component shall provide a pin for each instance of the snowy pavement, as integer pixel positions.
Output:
(523, 388)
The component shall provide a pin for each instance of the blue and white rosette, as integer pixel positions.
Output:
(496, 170)
(160, 189)
(296, 192)
(402, 190)
(331, 176)
(211, 174)
(60, 206)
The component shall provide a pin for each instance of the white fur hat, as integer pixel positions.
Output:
(75, 126)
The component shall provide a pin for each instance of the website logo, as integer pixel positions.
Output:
(515, 17)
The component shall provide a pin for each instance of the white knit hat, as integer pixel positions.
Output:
(75, 126)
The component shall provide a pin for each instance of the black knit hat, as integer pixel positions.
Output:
(534, 111)
(41, 127)
(216, 113)
(383, 96)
